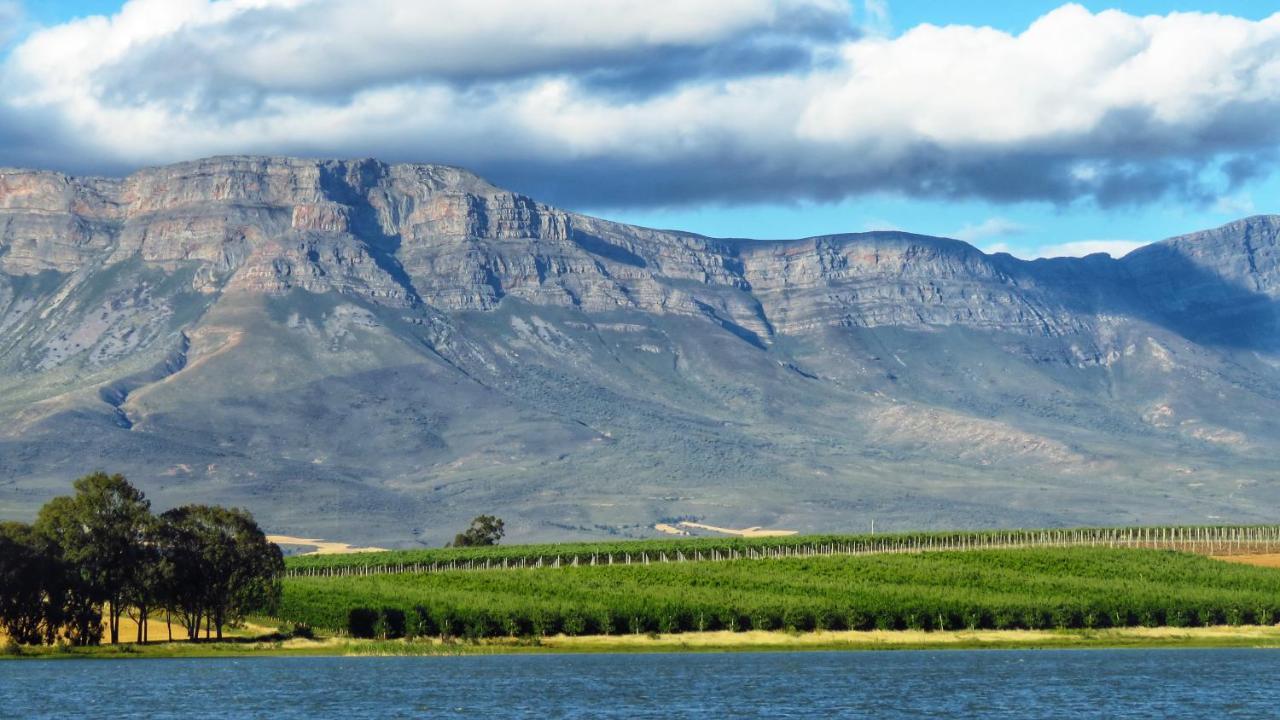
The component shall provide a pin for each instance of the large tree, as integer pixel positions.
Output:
(218, 564)
(29, 575)
(41, 597)
(102, 532)
(484, 530)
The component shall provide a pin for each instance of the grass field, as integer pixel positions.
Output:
(1025, 589)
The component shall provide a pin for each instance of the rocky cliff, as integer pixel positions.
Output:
(332, 341)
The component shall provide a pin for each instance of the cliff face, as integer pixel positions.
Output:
(403, 234)
(167, 305)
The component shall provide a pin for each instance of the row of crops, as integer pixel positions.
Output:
(1202, 539)
(996, 589)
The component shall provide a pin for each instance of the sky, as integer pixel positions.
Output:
(1036, 128)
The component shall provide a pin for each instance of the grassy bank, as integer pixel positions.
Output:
(754, 641)
(1030, 589)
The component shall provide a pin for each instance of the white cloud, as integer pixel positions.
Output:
(1114, 248)
(11, 17)
(876, 17)
(991, 227)
(624, 102)
(1234, 205)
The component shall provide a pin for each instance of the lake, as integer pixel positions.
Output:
(897, 684)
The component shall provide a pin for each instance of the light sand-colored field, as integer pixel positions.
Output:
(322, 547)
(1247, 636)
(745, 532)
(1270, 560)
(920, 638)
(669, 529)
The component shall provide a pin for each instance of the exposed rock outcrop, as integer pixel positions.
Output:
(412, 344)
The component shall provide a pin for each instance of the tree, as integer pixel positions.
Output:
(41, 597)
(144, 592)
(29, 606)
(484, 530)
(218, 565)
(101, 532)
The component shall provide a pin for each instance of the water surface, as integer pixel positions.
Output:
(896, 684)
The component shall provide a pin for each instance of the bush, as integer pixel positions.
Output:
(391, 625)
(10, 648)
(574, 622)
(421, 623)
(296, 630)
(362, 623)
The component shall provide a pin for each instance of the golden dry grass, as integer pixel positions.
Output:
(1271, 560)
(322, 547)
(751, 532)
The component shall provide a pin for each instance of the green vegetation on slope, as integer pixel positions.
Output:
(998, 589)
(1200, 538)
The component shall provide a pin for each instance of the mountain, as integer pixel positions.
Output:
(377, 353)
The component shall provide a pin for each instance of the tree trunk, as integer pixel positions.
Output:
(218, 622)
(113, 620)
(168, 622)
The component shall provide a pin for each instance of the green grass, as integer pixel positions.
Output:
(637, 550)
(1084, 588)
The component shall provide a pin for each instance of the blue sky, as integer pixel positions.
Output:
(808, 119)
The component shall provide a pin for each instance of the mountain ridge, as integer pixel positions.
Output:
(231, 316)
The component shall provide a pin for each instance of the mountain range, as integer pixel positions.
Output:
(378, 353)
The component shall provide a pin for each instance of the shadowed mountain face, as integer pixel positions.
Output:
(377, 353)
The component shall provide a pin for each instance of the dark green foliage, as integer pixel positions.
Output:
(218, 565)
(485, 530)
(41, 598)
(391, 624)
(362, 623)
(102, 532)
(102, 547)
(989, 589)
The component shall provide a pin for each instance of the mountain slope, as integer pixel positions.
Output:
(379, 352)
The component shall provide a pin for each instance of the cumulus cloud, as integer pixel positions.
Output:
(659, 102)
(1234, 205)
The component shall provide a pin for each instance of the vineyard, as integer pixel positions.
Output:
(1215, 540)
(943, 590)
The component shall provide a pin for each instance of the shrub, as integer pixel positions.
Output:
(574, 622)
(421, 624)
(362, 623)
(10, 648)
(391, 625)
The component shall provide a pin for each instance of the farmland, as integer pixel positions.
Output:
(1214, 540)
(998, 589)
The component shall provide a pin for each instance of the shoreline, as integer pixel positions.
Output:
(707, 642)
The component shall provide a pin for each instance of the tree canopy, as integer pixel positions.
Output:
(484, 530)
(102, 548)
